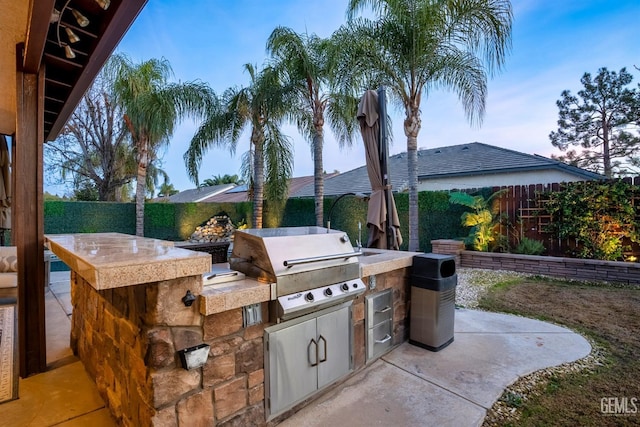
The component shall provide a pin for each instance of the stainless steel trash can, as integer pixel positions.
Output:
(433, 296)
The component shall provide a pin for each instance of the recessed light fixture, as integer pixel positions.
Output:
(73, 37)
(104, 3)
(82, 20)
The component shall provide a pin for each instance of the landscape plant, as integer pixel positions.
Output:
(483, 219)
(527, 246)
(598, 215)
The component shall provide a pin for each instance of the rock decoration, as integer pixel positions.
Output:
(218, 228)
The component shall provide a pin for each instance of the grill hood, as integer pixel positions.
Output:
(295, 258)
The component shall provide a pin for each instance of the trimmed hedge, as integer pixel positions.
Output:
(89, 217)
(176, 221)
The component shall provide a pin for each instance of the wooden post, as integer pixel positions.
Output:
(28, 220)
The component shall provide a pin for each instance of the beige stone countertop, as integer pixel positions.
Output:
(378, 261)
(245, 291)
(234, 294)
(113, 260)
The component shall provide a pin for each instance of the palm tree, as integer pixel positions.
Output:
(166, 190)
(268, 164)
(416, 46)
(152, 108)
(306, 62)
(219, 180)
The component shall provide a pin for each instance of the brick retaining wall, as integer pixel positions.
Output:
(564, 268)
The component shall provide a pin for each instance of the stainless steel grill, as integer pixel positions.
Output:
(312, 267)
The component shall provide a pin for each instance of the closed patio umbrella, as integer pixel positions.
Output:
(5, 188)
(381, 202)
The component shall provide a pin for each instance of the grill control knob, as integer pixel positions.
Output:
(328, 292)
(355, 285)
(309, 297)
(345, 287)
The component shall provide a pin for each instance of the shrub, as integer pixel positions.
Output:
(528, 246)
(482, 220)
(598, 215)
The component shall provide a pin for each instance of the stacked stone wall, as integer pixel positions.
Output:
(128, 339)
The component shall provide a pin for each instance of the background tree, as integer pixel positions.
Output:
(603, 120)
(48, 196)
(86, 192)
(152, 107)
(94, 149)
(416, 46)
(219, 180)
(166, 190)
(268, 164)
(305, 61)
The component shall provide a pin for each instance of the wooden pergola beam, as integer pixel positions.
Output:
(28, 220)
(27, 147)
(37, 34)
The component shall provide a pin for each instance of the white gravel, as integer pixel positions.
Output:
(473, 283)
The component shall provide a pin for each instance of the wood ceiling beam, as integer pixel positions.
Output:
(37, 34)
(117, 27)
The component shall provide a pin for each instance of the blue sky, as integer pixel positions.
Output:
(554, 43)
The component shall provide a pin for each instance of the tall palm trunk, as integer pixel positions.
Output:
(318, 172)
(258, 177)
(141, 183)
(411, 129)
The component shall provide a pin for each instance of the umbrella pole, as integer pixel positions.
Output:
(384, 162)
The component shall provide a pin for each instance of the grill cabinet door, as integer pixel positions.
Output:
(291, 356)
(334, 346)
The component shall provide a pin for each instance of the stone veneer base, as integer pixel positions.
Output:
(127, 339)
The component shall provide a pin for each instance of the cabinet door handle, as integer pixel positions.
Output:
(384, 310)
(384, 340)
(309, 353)
(325, 349)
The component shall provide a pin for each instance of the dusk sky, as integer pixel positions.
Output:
(554, 43)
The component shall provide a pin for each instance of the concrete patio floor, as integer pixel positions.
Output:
(409, 386)
(65, 395)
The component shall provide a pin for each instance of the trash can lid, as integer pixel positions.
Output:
(436, 266)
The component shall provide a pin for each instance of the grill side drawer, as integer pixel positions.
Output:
(379, 308)
(379, 323)
(379, 339)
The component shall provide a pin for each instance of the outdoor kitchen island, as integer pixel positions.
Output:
(139, 302)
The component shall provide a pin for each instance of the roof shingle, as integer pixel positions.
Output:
(466, 159)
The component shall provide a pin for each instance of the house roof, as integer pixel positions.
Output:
(199, 194)
(239, 194)
(457, 160)
(235, 195)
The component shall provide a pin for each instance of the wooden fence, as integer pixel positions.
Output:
(522, 206)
